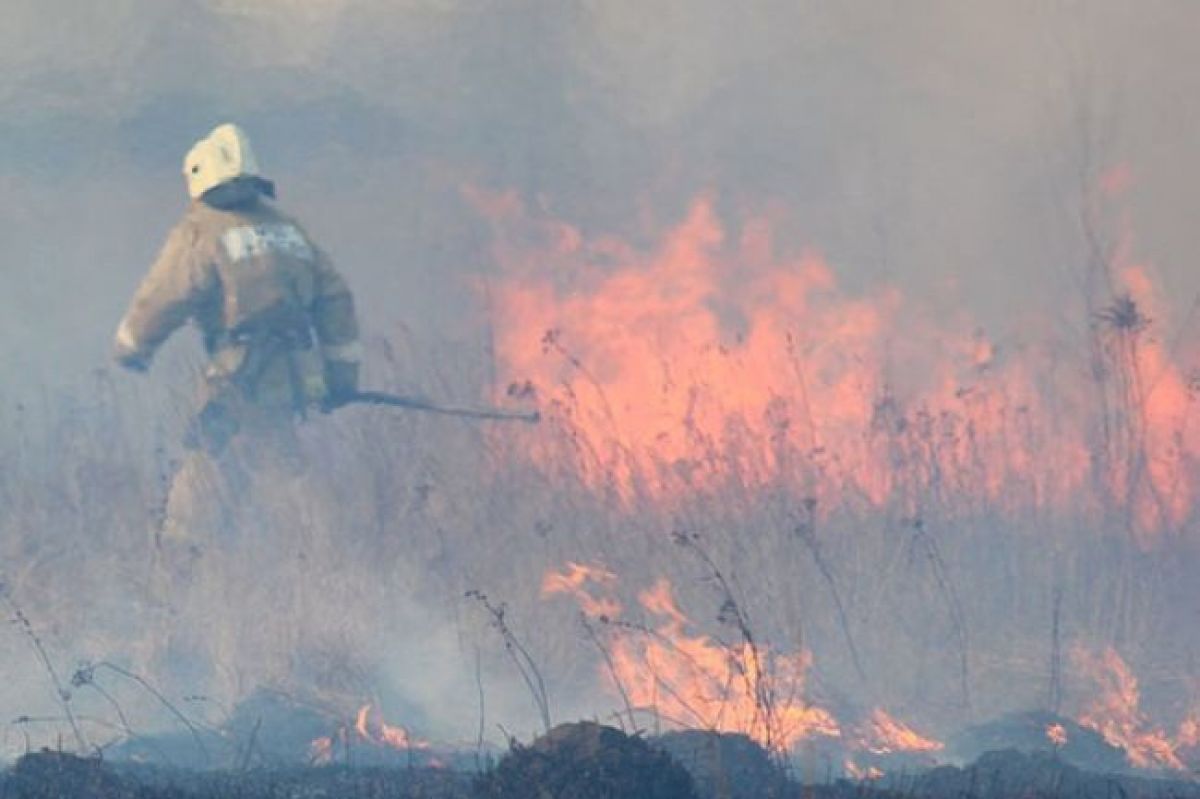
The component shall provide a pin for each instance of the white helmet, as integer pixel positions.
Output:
(218, 158)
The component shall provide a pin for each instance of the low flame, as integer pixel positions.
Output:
(861, 774)
(1189, 733)
(574, 582)
(1057, 735)
(320, 751)
(368, 728)
(1116, 714)
(691, 680)
(885, 735)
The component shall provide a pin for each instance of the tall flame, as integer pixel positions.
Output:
(709, 359)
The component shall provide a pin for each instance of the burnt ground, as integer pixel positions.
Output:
(52, 775)
(581, 761)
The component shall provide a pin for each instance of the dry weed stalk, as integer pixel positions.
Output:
(526, 666)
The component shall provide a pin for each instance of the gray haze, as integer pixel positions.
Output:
(939, 146)
(936, 145)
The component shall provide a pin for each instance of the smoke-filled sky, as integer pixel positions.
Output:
(940, 146)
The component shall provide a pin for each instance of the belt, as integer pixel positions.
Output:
(298, 338)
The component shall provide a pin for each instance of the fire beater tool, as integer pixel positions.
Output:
(415, 403)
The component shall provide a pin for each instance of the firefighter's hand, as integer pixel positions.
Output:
(338, 396)
(335, 400)
(315, 390)
(341, 381)
(133, 361)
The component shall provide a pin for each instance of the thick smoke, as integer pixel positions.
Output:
(933, 145)
(949, 150)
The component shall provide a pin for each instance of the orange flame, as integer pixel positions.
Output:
(369, 728)
(691, 680)
(1188, 736)
(1057, 735)
(320, 751)
(868, 774)
(573, 582)
(1115, 712)
(708, 359)
(883, 734)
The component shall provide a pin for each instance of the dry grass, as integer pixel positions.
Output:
(347, 583)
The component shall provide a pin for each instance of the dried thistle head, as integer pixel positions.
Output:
(522, 390)
(1124, 315)
(84, 675)
(1193, 384)
(728, 612)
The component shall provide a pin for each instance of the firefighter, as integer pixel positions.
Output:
(277, 321)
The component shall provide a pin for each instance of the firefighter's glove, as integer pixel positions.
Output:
(132, 361)
(316, 392)
(341, 381)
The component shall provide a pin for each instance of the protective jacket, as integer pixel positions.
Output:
(276, 318)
